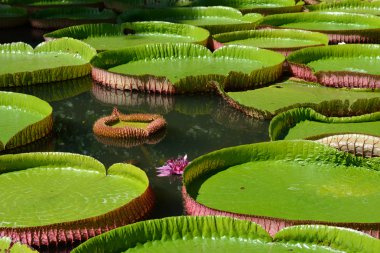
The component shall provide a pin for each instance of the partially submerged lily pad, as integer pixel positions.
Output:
(185, 68)
(123, 5)
(223, 234)
(262, 6)
(361, 7)
(215, 19)
(280, 40)
(352, 66)
(140, 126)
(7, 246)
(278, 184)
(305, 123)
(51, 61)
(69, 199)
(24, 119)
(112, 37)
(12, 16)
(339, 26)
(55, 18)
(266, 102)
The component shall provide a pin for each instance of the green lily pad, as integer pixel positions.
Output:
(354, 66)
(265, 103)
(362, 7)
(54, 18)
(35, 5)
(56, 60)
(184, 68)
(260, 6)
(7, 246)
(12, 16)
(68, 193)
(285, 182)
(106, 36)
(341, 27)
(284, 40)
(123, 5)
(305, 123)
(215, 19)
(24, 119)
(223, 234)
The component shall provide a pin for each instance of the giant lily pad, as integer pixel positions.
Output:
(305, 123)
(341, 27)
(63, 198)
(7, 246)
(181, 67)
(12, 16)
(353, 66)
(106, 36)
(215, 19)
(56, 60)
(260, 6)
(54, 18)
(362, 7)
(265, 103)
(123, 5)
(283, 41)
(283, 183)
(223, 234)
(24, 119)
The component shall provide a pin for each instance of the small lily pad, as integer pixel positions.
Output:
(305, 123)
(55, 18)
(56, 60)
(340, 26)
(112, 37)
(352, 66)
(223, 234)
(185, 68)
(280, 40)
(263, 6)
(71, 196)
(352, 6)
(215, 19)
(24, 119)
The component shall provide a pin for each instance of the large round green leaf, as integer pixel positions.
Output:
(223, 234)
(346, 27)
(12, 16)
(284, 40)
(54, 18)
(182, 67)
(354, 66)
(7, 246)
(123, 5)
(67, 192)
(56, 60)
(265, 103)
(305, 123)
(111, 37)
(351, 6)
(24, 119)
(35, 5)
(215, 19)
(260, 6)
(285, 182)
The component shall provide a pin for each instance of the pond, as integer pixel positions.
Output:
(197, 124)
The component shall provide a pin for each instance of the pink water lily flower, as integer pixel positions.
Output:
(173, 167)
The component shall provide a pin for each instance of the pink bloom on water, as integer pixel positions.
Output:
(173, 167)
